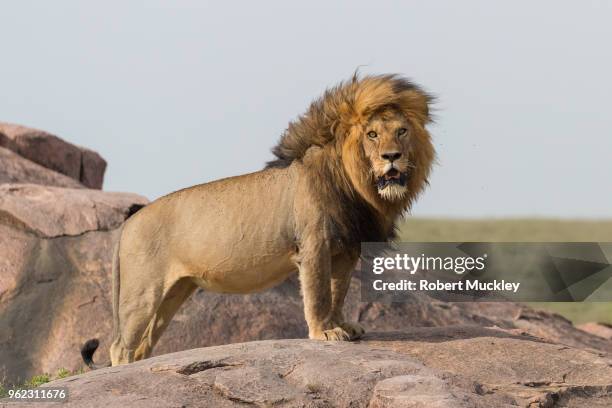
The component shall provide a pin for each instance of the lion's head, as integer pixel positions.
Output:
(391, 148)
(374, 130)
(386, 144)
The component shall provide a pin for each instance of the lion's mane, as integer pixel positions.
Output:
(356, 210)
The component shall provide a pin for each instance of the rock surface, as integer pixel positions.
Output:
(16, 169)
(56, 244)
(56, 247)
(51, 152)
(52, 212)
(602, 330)
(454, 367)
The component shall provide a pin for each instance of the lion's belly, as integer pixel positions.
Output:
(236, 253)
(247, 277)
(236, 257)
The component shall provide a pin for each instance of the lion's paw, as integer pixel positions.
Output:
(346, 331)
(354, 329)
(335, 334)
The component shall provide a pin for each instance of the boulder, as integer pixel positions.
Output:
(49, 151)
(56, 246)
(603, 330)
(93, 167)
(51, 212)
(457, 366)
(16, 169)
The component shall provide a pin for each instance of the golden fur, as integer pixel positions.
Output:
(345, 171)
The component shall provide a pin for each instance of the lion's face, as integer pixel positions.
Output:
(387, 143)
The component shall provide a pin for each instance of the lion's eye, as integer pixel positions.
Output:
(372, 134)
(402, 131)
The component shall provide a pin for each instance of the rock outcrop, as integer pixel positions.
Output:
(451, 367)
(602, 330)
(56, 248)
(56, 245)
(51, 212)
(16, 169)
(49, 151)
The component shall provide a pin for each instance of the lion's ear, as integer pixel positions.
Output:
(417, 103)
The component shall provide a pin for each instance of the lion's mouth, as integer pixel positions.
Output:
(393, 176)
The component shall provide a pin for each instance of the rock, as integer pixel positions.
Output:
(524, 369)
(93, 167)
(414, 391)
(16, 169)
(556, 328)
(602, 330)
(56, 246)
(461, 366)
(53, 153)
(15, 246)
(51, 212)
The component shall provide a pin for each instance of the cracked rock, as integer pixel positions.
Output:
(402, 369)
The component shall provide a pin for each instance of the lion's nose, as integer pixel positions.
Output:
(391, 156)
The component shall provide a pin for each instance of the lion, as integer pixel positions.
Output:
(344, 173)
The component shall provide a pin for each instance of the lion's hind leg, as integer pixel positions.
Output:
(146, 307)
(171, 303)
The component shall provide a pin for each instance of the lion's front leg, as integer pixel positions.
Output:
(342, 271)
(315, 269)
(315, 281)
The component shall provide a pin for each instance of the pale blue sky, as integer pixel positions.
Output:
(177, 93)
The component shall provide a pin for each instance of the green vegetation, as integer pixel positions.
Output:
(520, 230)
(37, 380)
(63, 373)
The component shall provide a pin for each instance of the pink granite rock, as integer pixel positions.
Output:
(51, 152)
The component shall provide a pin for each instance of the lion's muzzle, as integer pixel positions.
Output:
(392, 177)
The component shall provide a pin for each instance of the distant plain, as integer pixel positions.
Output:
(519, 230)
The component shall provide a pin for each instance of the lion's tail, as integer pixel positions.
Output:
(90, 346)
(87, 352)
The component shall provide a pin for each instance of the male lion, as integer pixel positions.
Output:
(345, 172)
